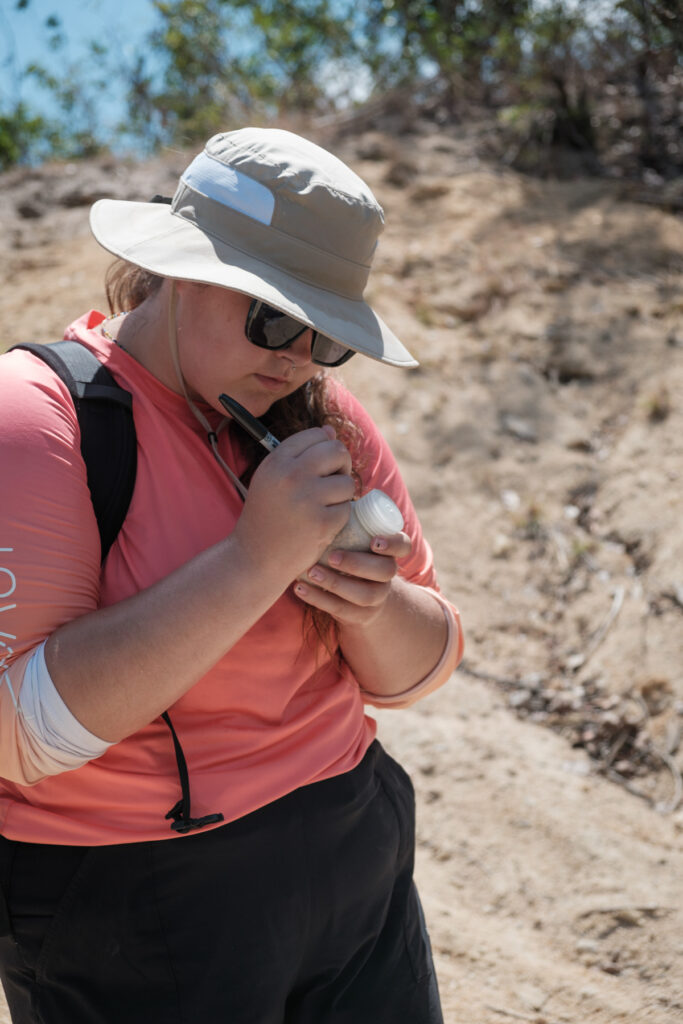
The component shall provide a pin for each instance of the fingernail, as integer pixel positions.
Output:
(316, 574)
(300, 590)
(335, 558)
(379, 544)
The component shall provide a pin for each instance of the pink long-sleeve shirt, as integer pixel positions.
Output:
(272, 715)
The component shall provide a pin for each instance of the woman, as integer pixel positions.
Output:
(287, 895)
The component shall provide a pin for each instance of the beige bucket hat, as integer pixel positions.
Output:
(270, 214)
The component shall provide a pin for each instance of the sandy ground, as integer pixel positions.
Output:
(541, 439)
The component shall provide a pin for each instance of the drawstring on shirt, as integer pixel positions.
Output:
(180, 812)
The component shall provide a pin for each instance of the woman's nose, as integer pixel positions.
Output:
(299, 352)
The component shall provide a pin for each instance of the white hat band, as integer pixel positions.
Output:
(230, 187)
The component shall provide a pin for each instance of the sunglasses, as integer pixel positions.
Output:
(269, 328)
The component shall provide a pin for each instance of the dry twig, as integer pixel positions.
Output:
(577, 661)
(628, 786)
(669, 806)
(663, 806)
(537, 1018)
(648, 909)
(488, 677)
(511, 1013)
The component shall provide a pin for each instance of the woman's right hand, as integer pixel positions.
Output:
(297, 502)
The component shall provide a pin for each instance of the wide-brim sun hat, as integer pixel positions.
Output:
(268, 213)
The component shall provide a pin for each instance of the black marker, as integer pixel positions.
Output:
(252, 426)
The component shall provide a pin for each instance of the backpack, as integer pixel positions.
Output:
(109, 449)
(108, 440)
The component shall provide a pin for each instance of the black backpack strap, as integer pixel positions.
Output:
(109, 450)
(108, 441)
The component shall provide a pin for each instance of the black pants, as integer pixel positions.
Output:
(303, 912)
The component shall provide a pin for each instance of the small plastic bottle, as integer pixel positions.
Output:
(372, 515)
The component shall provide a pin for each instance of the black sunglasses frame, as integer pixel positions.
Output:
(258, 307)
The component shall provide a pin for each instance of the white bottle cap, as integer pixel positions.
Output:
(378, 514)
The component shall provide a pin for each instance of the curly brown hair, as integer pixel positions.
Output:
(312, 405)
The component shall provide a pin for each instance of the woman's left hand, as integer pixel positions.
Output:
(354, 587)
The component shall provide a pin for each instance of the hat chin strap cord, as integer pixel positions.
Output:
(212, 434)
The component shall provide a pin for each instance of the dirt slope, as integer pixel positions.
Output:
(541, 439)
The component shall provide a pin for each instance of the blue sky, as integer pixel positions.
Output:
(119, 24)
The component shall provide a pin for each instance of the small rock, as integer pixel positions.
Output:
(532, 996)
(657, 695)
(401, 174)
(575, 363)
(510, 499)
(374, 146)
(520, 428)
(29, 209)
(630, 918)
(430, 190)
(518, 698)
(85, 196)
(469, 301)
(558, 282)
(581, 444)
(502, 546)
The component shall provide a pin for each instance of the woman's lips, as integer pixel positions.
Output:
(272, 383)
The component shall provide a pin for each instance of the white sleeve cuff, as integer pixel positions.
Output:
(52, 727)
